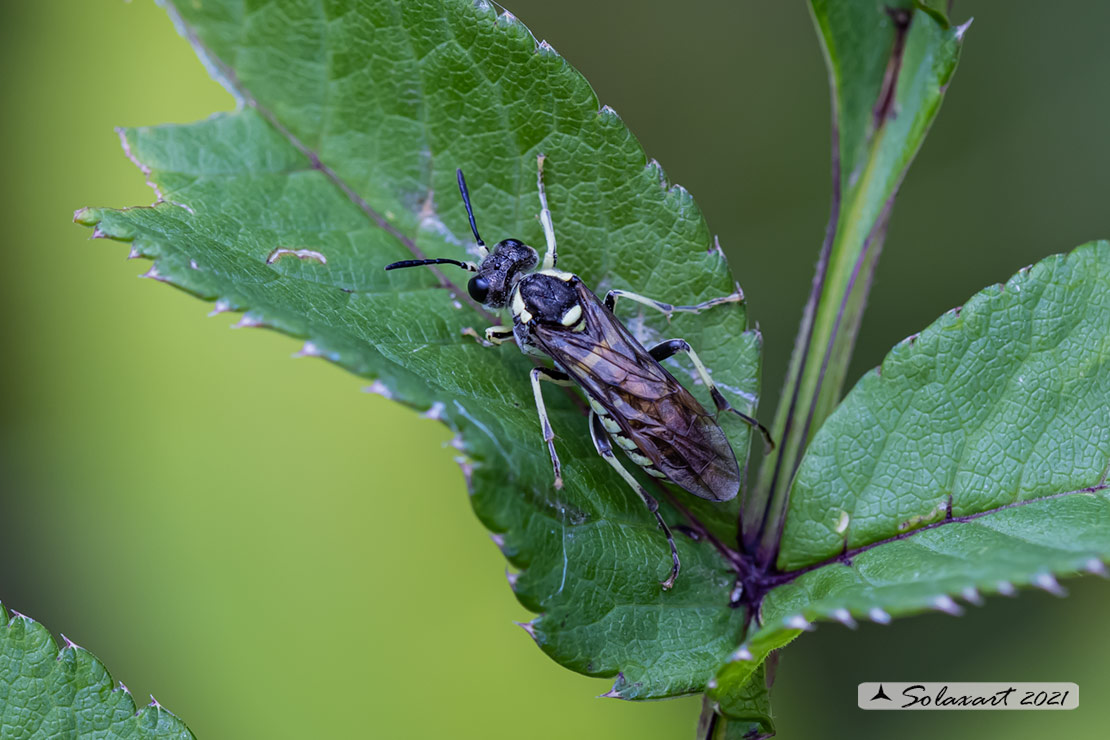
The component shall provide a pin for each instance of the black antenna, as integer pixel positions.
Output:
(437, 261)
(469, 211)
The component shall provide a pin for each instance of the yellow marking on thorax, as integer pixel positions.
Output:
(518, 307)
(573, 316)
(566, 277)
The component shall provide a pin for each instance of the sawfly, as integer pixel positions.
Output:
(634, 401)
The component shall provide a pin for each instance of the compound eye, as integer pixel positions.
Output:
(478, 287)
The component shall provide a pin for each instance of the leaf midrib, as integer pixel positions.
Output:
(846, 556)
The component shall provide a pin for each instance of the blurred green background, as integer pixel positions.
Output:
(274, 554)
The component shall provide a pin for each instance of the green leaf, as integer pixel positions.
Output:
(889, 66)
(46, 692)
(997, 403)
(974, 460)
(741, 710)
(354, 117)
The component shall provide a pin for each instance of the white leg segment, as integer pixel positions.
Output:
(545, 217)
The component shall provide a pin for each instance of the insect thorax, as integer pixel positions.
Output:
(547, 297)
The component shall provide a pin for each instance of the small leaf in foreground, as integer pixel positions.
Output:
(740, 710)
(47, 692)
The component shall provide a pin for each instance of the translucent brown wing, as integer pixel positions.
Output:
(665, 421)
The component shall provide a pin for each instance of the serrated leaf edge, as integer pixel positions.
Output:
(8, 618)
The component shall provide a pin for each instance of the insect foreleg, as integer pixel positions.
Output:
(671, 347)
(545, 216)
(499, 334)
(666, 308)
(560, 378)
(605, 449)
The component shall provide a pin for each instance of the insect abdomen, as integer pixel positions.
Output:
(623, 441)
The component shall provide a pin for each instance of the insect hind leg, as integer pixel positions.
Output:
(545, 216)
(668, 309)
(559, 378)
(671, 347)
(605, 448)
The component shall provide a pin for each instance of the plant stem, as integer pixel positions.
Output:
(860, 210)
